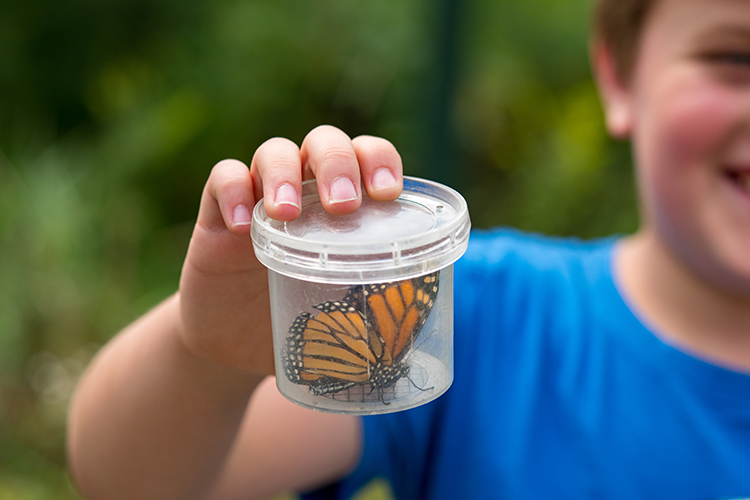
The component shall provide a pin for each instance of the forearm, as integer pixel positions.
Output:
(152, 420)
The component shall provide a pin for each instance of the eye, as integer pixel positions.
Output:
(731, 67)
(730, 58)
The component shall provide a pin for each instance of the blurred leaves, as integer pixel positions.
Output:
(112, 114)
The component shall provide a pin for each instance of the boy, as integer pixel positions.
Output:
(611, 369)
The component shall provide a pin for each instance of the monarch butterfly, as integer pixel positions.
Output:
(361, 339)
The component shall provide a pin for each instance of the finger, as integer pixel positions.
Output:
(329, 154)
(228, 199)
(380, 166)
(277, 174)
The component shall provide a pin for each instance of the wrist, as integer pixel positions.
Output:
(205, 368)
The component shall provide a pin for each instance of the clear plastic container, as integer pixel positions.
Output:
(362, 304)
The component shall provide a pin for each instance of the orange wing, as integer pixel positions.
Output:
(397, 311)
(331, 345)
(361, 339)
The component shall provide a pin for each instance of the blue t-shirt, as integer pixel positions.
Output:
(561, 392)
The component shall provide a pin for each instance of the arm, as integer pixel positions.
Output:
(175, 406)
(151, 419)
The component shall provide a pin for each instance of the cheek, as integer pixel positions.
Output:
(691, 127)
(679, 137)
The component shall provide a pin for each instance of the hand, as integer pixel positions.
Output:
(224, 289)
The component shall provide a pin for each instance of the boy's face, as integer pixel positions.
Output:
(687, 109)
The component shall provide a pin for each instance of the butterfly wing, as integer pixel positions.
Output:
(397, 312)
(330, 351)
(361, 339)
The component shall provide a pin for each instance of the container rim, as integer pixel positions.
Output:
(314, 259)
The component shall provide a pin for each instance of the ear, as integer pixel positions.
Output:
(614, 94)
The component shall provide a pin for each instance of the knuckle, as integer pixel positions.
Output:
(228, 164)
(280, 165)
(228, 168)
(277, 154)
(338, 155)
(229, 180)
(377, 149)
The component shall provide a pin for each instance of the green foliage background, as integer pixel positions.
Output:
(112, 114)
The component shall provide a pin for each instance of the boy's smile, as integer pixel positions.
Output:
(687, 110)
(738, 174)
(686, 107)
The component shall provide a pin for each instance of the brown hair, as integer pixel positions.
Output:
(618, 24)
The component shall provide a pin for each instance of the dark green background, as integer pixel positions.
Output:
(112, 114)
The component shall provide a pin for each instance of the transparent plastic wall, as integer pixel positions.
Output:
(363, 348)
(362, 303)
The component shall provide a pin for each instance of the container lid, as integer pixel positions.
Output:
(424, 230)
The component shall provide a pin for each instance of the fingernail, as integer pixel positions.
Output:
(383, 178)
(242, 215)
(286, 195)
(342, 190)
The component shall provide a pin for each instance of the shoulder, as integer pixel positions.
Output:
(509, 280)
(505, 251)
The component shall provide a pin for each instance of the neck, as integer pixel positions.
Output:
(681, 308)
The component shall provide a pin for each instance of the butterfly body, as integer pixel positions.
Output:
(361, 339)
(381, 377)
